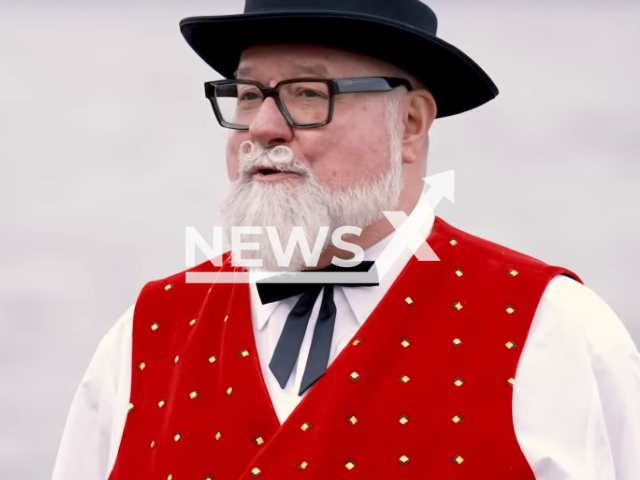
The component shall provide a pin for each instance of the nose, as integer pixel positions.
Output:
(269, 127)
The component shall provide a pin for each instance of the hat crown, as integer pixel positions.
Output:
(408, 12)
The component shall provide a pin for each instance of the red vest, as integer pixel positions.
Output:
(423, 390)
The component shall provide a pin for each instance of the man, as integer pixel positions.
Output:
(485, 364)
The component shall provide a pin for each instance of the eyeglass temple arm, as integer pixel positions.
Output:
(373, 84)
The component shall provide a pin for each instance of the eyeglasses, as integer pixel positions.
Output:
(304, 102)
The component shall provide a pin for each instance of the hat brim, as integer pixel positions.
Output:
(457, 83)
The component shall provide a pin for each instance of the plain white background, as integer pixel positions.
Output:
(109, 150)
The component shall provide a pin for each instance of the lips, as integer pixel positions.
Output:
(266, 171)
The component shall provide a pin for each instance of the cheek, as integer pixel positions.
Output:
(354, 150)
(233, 165)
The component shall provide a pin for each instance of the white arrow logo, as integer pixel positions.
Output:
(409, 230)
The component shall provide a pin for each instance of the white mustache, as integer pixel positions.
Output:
(254, 156)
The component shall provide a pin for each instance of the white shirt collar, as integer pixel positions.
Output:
(261, 310)
(362, 300)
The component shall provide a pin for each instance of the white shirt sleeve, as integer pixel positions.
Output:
(576, 405)
(95, 423)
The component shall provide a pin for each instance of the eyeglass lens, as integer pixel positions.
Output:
(306, 102)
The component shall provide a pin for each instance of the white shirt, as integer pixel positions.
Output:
(576, 404)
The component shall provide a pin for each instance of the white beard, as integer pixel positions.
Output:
(304, 201)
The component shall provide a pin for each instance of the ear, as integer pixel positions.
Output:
(419, 112)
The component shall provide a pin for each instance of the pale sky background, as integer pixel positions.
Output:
(109, 149)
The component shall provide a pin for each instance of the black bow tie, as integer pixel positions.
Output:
(287, 350)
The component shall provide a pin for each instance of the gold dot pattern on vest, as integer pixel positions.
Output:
(155, 326)
(510, 309)
(511, 382)
(168, 286)
(453, 241)
(161, 403)
(142, 366)
(192, 322)
(177, 436)
(512, 272)
(457, 459)
(131, 407)
(457, 306)
(202, 418)
(169, 477)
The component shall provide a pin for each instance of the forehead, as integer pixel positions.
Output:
(311, 60)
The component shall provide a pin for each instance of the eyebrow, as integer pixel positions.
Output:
(309, 69)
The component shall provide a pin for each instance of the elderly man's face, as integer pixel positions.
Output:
(344, 174)
(352, 148)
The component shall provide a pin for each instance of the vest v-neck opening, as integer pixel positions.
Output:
(339, 359)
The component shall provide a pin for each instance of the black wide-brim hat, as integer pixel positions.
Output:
(401, 32)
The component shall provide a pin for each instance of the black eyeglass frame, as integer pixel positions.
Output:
(336, 86)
